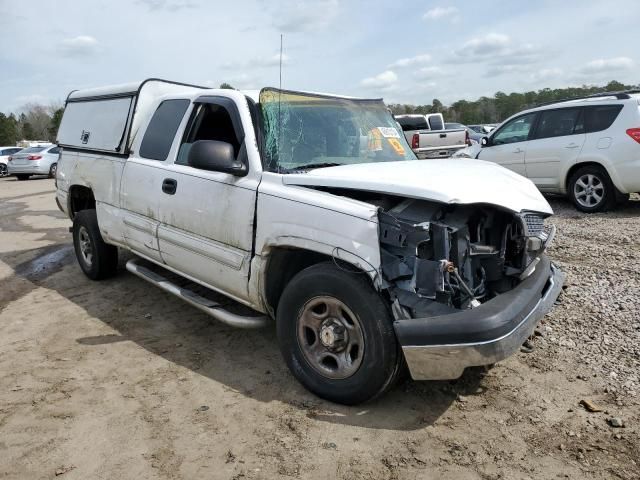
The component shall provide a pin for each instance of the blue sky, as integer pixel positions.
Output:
(409, 52)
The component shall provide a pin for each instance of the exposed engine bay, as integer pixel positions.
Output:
(439, 258)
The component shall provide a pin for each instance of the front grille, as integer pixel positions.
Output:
(534, 224)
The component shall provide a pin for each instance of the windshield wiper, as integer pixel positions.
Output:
(311, 166)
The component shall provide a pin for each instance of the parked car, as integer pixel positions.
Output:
(473, 135)
(34, 161)
(586, 148)
(5, 153)
(428, 136)
(313, 211)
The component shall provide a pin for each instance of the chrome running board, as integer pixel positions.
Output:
(209, 307)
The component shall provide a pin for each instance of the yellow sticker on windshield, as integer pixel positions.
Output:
(397, 146)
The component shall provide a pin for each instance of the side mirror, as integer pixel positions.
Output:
(484, 141)
(215, 156)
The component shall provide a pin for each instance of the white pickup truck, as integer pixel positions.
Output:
(429, 137)
(312, 211)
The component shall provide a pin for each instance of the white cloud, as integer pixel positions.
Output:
(78, 46)
(170, 5)
(262, 61)
(383, 81)
(430, 72)
(440, 12)
(603, 65)
(411, 61)
(299, 16)
(489, 44)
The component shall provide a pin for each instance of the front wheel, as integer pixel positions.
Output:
(336, 335)
(97, 259)
(591, 189)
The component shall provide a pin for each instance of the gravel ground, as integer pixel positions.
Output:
(118, 380)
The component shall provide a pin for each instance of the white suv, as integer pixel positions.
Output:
(587, 148)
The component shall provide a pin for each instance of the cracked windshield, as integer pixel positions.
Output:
(305, 131)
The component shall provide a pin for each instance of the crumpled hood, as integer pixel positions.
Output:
(456, 180)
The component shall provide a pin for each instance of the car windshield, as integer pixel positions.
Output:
(304, 131)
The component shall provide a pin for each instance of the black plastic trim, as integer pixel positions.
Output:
(107, 153)
(490, 321)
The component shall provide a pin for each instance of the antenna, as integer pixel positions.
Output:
(279, 110)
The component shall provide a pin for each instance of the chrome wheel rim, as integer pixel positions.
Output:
(86, 247)
(589, 190)
(330, 337)
(3, 170)
(53, 170)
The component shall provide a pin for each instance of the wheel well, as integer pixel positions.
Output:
(284, 263)
(581, 165)
(80, 198)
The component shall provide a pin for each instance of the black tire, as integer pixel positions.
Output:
(596, 178)
(23, 177)
(97, 259)
(3, 170)
(380, 358)
(52, 170)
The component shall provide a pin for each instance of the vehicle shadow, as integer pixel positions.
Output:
(245, 361)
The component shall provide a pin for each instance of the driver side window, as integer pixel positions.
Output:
(517, 130)
(209, 121)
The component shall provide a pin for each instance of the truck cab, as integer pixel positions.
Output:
(313, 212)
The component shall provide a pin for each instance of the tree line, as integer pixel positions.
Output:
(34, 122)
(502, 105)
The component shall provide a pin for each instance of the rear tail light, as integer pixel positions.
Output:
(467, 139)
(34, 157)
(634, 133)
(415, 141)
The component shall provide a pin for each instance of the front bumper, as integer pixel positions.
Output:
(440, 348)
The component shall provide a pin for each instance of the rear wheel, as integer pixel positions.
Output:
(23, 177)
(52, 170)
(336, 335)
(3, 170)
(97, 259)
(591, 189)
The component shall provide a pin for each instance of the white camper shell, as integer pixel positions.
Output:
(107, 119)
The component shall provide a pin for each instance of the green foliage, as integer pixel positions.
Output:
(8, 129)
(227, 86)
(502, 105)
(56, 118)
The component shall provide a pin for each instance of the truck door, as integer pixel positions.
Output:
(508, 145)
(143, 179)
(206, 221)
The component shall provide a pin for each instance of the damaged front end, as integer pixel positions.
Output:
(445, 266)
(437, 259)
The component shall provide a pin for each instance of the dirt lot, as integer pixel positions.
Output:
(119, 380)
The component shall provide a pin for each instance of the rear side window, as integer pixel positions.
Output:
(55, 150)
(413, 123)
(162, 129)
(436, 123)
(558, 123)
(601, 117)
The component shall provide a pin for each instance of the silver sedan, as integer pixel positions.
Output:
(34, 161)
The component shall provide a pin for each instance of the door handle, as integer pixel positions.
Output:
(169, 186)
(519, 150)
(572, 145)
